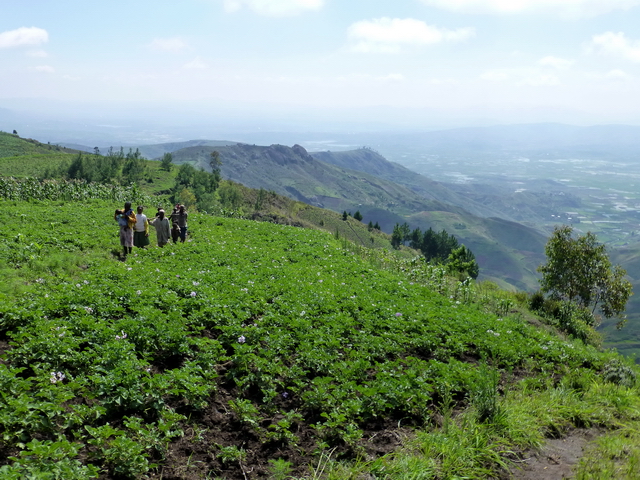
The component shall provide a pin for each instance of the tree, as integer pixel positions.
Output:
(462, 260)
(230, 195)
(215, 161)
(416, 239)
(134, 167)
(396, 236)
(166, 163)
(578, 270)
(357, 215)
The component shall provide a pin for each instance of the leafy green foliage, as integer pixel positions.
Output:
(579, 270)
(462, 260)
(295, 335)
(195, 187)
(167, 162)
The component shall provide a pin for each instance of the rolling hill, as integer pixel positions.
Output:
(508, 252)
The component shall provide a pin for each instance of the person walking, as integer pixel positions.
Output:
(182, 223)
(175, 228)
(126, 220)
(141, 229)
(163, 230)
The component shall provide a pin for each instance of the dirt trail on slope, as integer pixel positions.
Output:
(556, 459)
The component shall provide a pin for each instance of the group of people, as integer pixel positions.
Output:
(134, 227)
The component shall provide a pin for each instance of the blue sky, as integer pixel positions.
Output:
(576, 61)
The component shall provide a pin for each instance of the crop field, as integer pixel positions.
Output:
(257, 350)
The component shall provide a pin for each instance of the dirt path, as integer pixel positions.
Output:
(556, 459)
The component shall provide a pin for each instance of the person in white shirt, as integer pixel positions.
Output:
(141, 229)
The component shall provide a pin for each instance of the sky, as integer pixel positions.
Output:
(387, 62)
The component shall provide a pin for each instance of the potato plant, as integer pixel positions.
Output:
(280, 328)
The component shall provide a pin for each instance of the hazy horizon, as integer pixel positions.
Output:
(320, 65)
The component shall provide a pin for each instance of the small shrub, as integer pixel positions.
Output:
(618, 373)
(536, 302)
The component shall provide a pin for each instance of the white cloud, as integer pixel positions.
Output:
(44, 68)
(23, 36)
(615, 44)
(37, 53)
(389, 35)
(570, 8)
(196, 64)
(171, 44)
(274, 8)
(555, 62)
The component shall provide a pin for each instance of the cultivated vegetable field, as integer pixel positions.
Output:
(257, 350)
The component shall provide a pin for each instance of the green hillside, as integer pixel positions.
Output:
(156, 151)
(257, 350)
(508, 252)
(13, 146)
(295, 173)
(371, 162)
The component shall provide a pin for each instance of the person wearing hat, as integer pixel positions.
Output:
(163, 229)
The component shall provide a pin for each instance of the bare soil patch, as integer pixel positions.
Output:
(557, 458)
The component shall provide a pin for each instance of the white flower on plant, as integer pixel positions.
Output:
(121, 337)
(57, 377)
(241, 339)
(139, 292)
(195, 284)
(193, 294)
